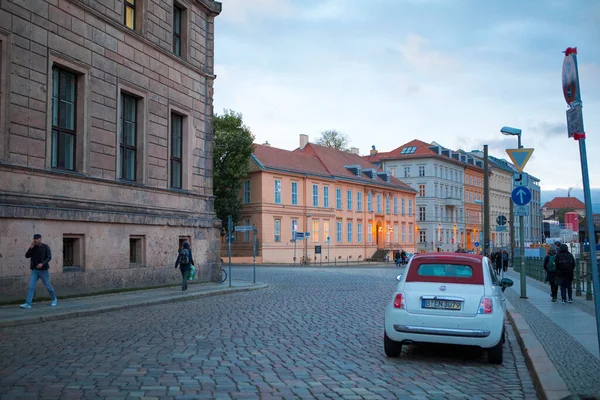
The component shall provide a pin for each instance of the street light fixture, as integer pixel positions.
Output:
(507, 130)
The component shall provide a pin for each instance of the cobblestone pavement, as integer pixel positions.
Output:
(314, 333)
(576, 365)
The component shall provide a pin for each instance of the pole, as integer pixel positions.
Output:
(229, 233)
(295, 240)
(522, 274)
(588, 205)
(486, 201)
(306, 241)
(328, 259)
(512, 232)
(254, 251)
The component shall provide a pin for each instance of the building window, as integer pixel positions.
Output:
(387, 233)
(326, 196)
(128, 138)
(378, 203)
(410, 210)
(277, 230)
(339, 231)
(393, 171)
(247, 191)
(64, 97)
(421, 213)
(176, 153)
(315, 231)
(136, 249)
(326, 230)
(359, 232)
(294, 227)
(349, 232)
(407, 172)
(246, 222)
(73, 253)
(277, 194)
(387, 204)
(422, 236)
(130, 13)
(422, 190)
(396, 233)
(369, 202)
(294, 193)
(403, 207)
(370, 233)
(349, 199)
(359, 201)
(395, 205)
(178, 14)
(315, 195)
(403, 233)
(338, 198)
(421, 170)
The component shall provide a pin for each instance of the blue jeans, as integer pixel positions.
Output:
(45, 277)
(185, 274)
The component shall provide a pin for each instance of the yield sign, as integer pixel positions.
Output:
(519, 157)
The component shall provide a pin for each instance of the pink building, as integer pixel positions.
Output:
(331, 194)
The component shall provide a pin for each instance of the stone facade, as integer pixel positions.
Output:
(106, 141)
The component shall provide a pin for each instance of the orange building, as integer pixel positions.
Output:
(350, 208)
(473, 211)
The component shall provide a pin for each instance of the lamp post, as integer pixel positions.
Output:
(481, 227)
(508, 131)
(306, 239)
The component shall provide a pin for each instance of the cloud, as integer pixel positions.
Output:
(419, 56)
(241, 11)
(546, 129)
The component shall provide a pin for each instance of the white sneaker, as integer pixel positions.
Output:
(54, 303)
(27, 306)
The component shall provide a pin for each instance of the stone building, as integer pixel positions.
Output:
(105, 140)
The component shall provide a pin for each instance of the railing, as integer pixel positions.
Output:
(582, 279)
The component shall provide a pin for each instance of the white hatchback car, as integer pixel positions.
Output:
(451, 298)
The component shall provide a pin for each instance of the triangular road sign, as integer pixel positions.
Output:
(519, 157)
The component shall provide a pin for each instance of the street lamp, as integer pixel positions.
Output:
(507, 130)
(306, 239)
(481, 230)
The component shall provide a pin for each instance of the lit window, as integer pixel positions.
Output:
(130, 9)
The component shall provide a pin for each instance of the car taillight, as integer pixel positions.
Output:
(486, 306)
(399, 301)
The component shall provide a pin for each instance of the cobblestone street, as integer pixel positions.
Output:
(313, 333)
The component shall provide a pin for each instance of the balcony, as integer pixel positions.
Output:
(450, 202)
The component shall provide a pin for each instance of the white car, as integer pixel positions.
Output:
(451, 298)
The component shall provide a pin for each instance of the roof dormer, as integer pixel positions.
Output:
(355, 169)
(371, 173)
(385, 175)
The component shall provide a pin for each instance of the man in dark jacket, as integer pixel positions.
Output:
(565, 264)
(39, 258)
(497, 261)
(185, 260)
(550, 268)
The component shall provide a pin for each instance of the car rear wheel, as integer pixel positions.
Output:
(495, 354)
(391, 348)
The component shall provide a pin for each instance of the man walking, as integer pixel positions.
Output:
(39, 255)
(185, 260)
(565, 264)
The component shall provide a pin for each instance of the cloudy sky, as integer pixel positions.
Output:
(387, 71)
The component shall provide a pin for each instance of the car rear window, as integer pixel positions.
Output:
(444, 272)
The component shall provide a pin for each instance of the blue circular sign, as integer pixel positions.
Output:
(476, 244)
(521, 195)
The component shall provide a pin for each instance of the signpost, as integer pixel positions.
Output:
(521, 196)
(519, 157)
(572, 93)
(476, 244)
(501, 220)
(328, 243)
(520, 179)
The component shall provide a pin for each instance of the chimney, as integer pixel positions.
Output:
(354, 150)
(266, 143)
(373, 151)
(303, 140)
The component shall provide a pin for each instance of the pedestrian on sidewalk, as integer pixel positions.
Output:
(185, 260)
(505, 259)
(565, 265)
(497, 261)
(460, 249)
(39, 255)
(550, 268)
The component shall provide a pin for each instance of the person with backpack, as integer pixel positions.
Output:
(497, 261)
(505, 259)
(185, 260)
(550, 268)
(565, 265)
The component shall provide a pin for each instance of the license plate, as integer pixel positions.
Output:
(441, 304)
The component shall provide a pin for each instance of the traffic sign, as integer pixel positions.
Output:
(519, 157)
(328, 239)
(575, 120)
(521, 195)
(500, 228)
(569, 79)
(307, 234)
(476, 244)
(521, 211)
(501, 220)
(521, 179)
(299, 235)
(243, 228)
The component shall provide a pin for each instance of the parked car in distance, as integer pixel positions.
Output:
(449, 298)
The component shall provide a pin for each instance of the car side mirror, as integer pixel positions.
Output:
(506, 283)
(398, 278)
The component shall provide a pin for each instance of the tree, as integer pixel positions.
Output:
(334, 139)
(560, 214)
(233, 145)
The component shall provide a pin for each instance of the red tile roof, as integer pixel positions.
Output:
(322, 161)
(422, 150)
(565, 202)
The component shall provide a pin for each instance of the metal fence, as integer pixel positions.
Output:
(582, 279)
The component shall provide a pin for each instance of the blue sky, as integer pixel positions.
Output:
(385, 72)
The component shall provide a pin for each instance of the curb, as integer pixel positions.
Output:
(548, 382)
(99, 310)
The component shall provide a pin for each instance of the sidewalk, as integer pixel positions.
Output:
(82, 306)
(559, 341)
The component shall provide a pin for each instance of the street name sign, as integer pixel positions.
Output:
(519, 157)
(500, 228)
(521, 195)
(299, 235)
(243, 228)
